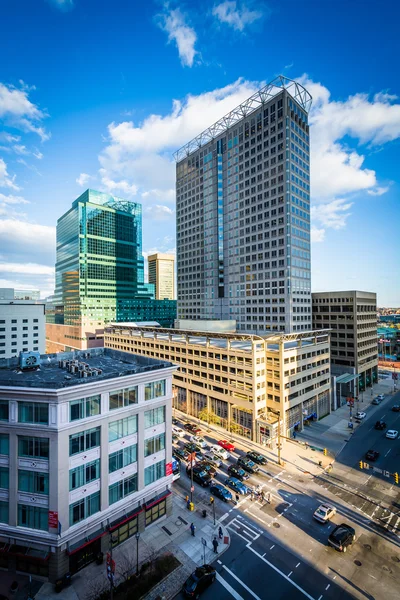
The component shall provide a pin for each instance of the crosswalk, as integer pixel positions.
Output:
(244, 528)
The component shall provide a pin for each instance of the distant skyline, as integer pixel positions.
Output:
(99, 94)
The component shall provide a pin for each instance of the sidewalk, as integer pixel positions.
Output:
(166, 535)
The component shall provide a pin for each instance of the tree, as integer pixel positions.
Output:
(208, 415)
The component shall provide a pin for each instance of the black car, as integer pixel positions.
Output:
(207, 466)
(372, 455)
(199, 581)
(200, 476)
(247, 464)
(180, 453)
(219, 491)
(380, 425)
(396, 408)
(342, 536)
(257, 458)
(191, 447)
(175, 422)
(238, 472)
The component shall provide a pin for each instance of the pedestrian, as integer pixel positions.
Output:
(215, 545)
(237, 498)
(251, 495)
(269, 497)
(262, 496)
(220, 532)
(193, 529)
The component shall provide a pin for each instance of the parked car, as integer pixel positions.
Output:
(396, 408)
(238, 472)
(207, 466)
(200, 476)
(237, 486)
(181, 453)
(175, 439)
(324, 513)
(199, 441)
(226, 445)
(192, 447)
(199, 581)
(221, 492)
(342, 536)
(178, 431)
(380, 425)
(192, 428)
(392, 434)
(372, 455)
(376, 401)
(256, 457)
(247, 464)
(380, 397)
(361, 415)
(224, 454)
(213, 458)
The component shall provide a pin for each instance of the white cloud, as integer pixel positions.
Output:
(84, 179)
(317, 235)
(16, 110)
(29, 268)
(37, 154)
(332, 214)
(159, 212)
(5, 180)
(236, 15)
(378, 191)
(174, 24)
(112, 187)
(27, 238)
(12, 200)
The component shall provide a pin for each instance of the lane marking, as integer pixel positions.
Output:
(327, 587)
(241, 583)
(320, 597)
(290, 573)
(223, 517)
(273, 546)
(233, 524)
(246, 539)
(219, 562)
(249, 534)
(298, 564)
(264, 554)
(388, 452)
(229, 588)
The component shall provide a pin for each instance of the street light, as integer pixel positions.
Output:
(137, 535)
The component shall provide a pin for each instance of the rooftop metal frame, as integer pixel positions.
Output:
(257, 100)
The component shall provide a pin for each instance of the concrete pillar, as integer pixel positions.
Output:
(13, 479)
(140, 451)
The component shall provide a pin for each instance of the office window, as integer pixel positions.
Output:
(122, 489)
(33, 412)
(4, 444)
(154, 472)
(121, 398)
(4, 479)
(33, 447)
(33, 517)
(4, 410)
(154, 444)
(84, 474)
(122, 428)
(84, 508)
(155, 389)
(84, 407)
(33, 482)
(3, 512)
(154, 417)
(84, 440)
(122, 458)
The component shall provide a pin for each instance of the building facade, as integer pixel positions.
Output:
(22, 327)
(241, 382)
(12, 294)
(162, 275)
(351, 315)
(243, 215)
(81, 457)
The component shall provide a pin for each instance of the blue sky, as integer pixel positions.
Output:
(99, 93)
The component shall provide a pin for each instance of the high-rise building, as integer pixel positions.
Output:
(162, 275)
(243, 215)
(22, 327)
(100, 273)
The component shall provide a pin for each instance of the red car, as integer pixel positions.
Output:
(226, 445)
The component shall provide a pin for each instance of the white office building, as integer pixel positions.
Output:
(22, 327)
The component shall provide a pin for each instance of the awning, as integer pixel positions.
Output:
(85, 542)
(346, 378)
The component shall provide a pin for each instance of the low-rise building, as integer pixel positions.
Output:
(22, 327)
(85, 452)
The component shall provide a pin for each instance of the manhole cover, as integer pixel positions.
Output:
(385, 568)
(395, 558)
(358, 563)
(276, 525)
(367, 546)
(301, 480)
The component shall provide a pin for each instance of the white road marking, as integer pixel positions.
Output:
(261, 520)
(264, 554)
(254, 531)
(229, 588)
(327, 587)
(241, 583)
(298, 564)
(320, 597)
(219, 562)
(233, 524)
(290, 573)
(249, 534)
(388, 452)
(246, 539)
(273, 546)
(223, 517)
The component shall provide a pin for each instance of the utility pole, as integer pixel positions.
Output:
(191, 477)
(279, 439)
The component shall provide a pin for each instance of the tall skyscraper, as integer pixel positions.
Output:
(243, 215)
(162, 275)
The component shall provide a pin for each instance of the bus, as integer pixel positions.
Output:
(176, 469)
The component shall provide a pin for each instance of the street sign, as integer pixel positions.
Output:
(386, 474)
(53, 519)
(168, 468)
(377, 470)
(192, 488)
(204, 541)
(366, 465)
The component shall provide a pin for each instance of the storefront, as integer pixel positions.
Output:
(85, 552)
(25, 559)
(156, 508)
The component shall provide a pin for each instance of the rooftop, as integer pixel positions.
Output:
(100, 364)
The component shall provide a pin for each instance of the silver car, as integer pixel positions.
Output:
(324, 513)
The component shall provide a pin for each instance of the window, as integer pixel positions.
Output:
(155, 512)
(84, 407)
(33, 517)
(154, 444)
(84, 440)
(33, 412)
(4, 444)
(122, 488)
(33, 482)
(4, 480)
(154, 417)
(124, 531)
(121, 398)
(122, 458)
(122, 428)
(3, 512)
(33, 447)
(84, 474)
(154, 472)
(155, 389)
(3, 410)
(84, 508)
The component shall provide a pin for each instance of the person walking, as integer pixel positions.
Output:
(251, 495)
(262, 496)
(215, 545)
(269, 497)
(193, 529)
(237, 498)
(220, 533)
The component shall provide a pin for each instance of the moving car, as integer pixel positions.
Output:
(392, 434)
(372, 455)
(342, 536)
(226, 445)
(175, 438)
(192, 447)
(175, 421)
(213, 459)
(238, 472)
(199, 441)
(200, 476)
(247, 464)
(219, 491)
(324, 512)
(257, 458)
(237, 486)
(192, 428)
(396, 408)
(199, 581)
(207, 466)
(180, 453)
(178, 431)
(361, 415)
(224, 454)
(380, 425)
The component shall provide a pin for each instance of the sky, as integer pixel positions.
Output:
(100, 93)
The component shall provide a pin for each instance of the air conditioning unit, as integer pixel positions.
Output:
(29, 360)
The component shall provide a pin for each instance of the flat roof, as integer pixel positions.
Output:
(111, 363)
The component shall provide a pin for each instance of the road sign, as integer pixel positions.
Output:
(378, 470)
(192, 488)
(204, 541)
(168, 468)
(386, 474)
(366, 465)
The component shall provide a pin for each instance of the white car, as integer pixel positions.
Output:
(178, 431)
(380, 397)
(196, 439)
(224, 454)
(324, 513)
(392, 434)
(361, 415)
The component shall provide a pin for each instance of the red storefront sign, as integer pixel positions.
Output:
(53, 519)
(168, 468)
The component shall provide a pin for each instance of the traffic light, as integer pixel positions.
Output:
(396, 477)
(361, 464)
(211, 500)
(325, 451)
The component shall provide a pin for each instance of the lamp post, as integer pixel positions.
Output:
(279, 439)
(137, 535)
